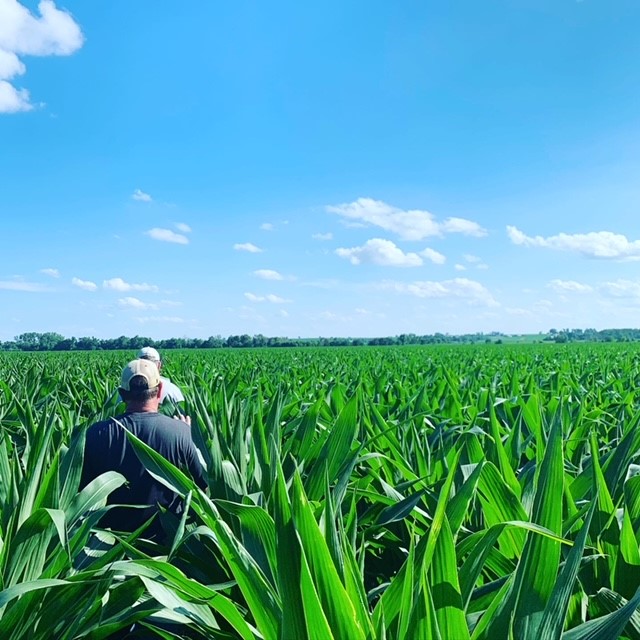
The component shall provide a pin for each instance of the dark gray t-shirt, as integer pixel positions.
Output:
(107, 448)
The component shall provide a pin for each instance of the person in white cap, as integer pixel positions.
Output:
(169, 390)
(107, 448)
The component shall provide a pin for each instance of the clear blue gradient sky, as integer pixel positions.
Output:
(346, 167)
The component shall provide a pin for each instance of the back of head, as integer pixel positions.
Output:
(140, 380)
(149, 353)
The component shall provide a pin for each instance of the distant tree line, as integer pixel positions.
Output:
(591, 335)
(51, 341)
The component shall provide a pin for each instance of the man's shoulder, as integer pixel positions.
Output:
(144, 419)
(109, 423)
(165, 425)
(102, 431)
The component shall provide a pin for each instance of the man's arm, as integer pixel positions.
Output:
(196, 467)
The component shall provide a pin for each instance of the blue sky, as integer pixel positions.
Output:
(344, 168)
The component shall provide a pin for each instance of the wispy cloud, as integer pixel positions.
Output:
(53, 273)
(463, 288)
(252, 297)
(87, 285)
(477, 262)
(135, 303)
(247, 246)
(413, 224)
(52, 33)
(604, 245)
(463, 226)
(567, 286)
(141, 196)
(621, 289)
(267, 226)
(434, 256)
(323, 236)
(166, 235)
(380, 252)
(268, 274)
(22, 285)
(118, 284)
(183, 227)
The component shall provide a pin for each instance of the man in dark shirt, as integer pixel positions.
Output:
(107, 448)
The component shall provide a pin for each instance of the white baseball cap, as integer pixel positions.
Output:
(149, 353)
(145, 368)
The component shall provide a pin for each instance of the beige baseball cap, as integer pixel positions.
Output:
(145, 368)
(149, 353)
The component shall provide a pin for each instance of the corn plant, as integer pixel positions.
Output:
(378, 493)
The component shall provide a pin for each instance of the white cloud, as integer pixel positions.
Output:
(381, 252)
(52, 33)
(141, 196)
(463, 226)
(434, 256)
(87, 285)
(597, 244)
(283, 313)
(183, 227)
(135, 303)
(22, 285)
(118, 284)
(247, 246)
(460, 267)
(54, 273)
(474, 260)
(621, 289)
(408, 225)
(171, 303)
(10, 65)
(166, 235)
(323, 236)
(472, 291)
(268, 274)
(252, 297)
(13, 100)
(266, 226)
(565, 286)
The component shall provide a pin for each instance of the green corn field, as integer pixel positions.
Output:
(448, 493)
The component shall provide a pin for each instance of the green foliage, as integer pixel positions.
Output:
(422, 492)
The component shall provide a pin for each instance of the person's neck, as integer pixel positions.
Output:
(142, 407)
